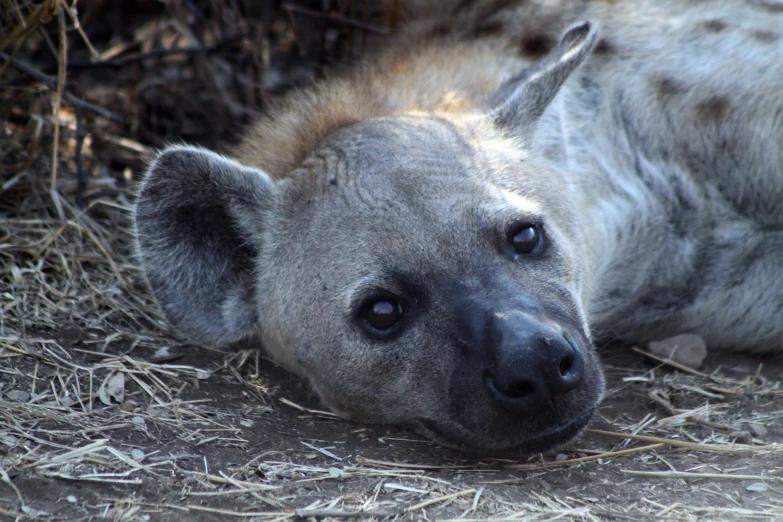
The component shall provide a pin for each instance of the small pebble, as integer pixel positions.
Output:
(18, 395)
(8, 439)
(137, 455)
(72, 499)
(758, 487)
(162, 353)
(561, 457)
(742, 437)
(139, 421)
(757, 429)
(27, 510)
(687, 349)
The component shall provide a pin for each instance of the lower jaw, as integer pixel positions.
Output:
(548, 441)
(557, 438)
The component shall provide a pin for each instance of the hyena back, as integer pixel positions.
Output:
(437, 239)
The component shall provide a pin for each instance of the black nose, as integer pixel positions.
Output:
(533, 364)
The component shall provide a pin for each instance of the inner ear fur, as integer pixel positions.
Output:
(198, 221)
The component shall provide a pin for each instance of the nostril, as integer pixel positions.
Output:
(570, 368)
(566, 364)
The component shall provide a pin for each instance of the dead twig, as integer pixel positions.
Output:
(674, 364)
(714, 448)
(444, 498)
(336, 513)
(51, 82)
(580, 460)
(690, 475)
(118, 63)
(335, 17)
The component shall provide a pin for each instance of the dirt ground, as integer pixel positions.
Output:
(203, 436)
(106, 414)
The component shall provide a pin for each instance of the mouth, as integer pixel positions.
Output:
(558, 437)
(462, 439)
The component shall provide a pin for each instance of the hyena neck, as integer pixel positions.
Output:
(641, 258)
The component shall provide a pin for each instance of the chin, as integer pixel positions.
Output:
(455, 436)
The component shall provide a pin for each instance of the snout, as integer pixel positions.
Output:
(531, 364)
(525, 378)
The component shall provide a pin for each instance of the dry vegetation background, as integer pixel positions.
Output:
(106, 414)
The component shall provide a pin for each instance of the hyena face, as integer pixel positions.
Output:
(419, 269)
(415, 280)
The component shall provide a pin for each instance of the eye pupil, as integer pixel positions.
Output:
(383, 314)
(525, 239)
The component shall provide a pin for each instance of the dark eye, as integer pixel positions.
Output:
(383, 313)
(525, 239)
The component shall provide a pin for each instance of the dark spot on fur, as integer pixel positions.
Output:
(536, 45)
(714, 26)
(765, 36)
(773, 6)
(603, 47)
(666, 88)
(712, 109)
(486, 28)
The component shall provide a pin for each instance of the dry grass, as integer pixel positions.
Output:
(89, 392)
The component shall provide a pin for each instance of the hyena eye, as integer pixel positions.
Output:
(383, 313)
(525, 238)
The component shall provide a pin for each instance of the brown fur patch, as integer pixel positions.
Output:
(713, 109)
(714, 26)
(401, 66)
(536, 45)
(765, 36)
(453, 101)
(666, 87)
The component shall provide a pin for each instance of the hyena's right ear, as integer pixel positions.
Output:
(199, 221)
(521, 100)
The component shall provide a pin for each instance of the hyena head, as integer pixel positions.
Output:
(420, 269)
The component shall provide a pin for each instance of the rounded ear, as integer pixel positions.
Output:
(199, 218)
(521, 100)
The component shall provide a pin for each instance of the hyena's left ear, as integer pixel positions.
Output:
(521, 100)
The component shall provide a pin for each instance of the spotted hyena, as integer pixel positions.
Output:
(438, 238)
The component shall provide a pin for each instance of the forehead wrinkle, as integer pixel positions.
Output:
(423, 191)
(515, 199)
(385, 141)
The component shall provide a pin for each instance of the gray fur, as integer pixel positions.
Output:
(197, 224)
(653, 170)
